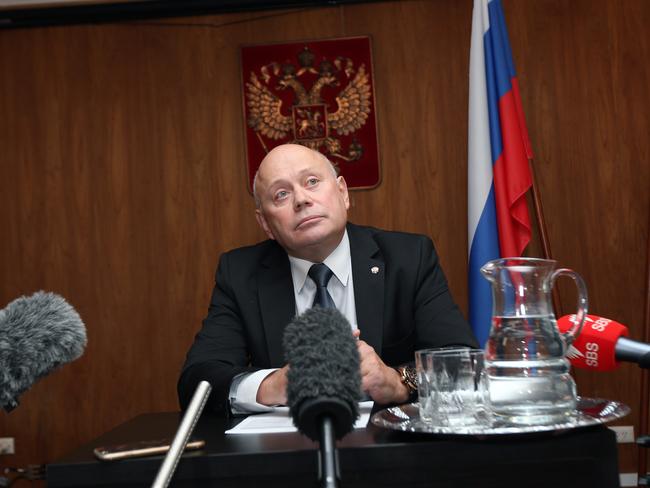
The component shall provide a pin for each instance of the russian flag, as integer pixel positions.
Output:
(498, 169)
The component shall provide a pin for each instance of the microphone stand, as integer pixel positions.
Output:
(323, 419)
(183, 434)
(328, 465)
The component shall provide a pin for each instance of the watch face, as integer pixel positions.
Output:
(412, 378)
(409, 377)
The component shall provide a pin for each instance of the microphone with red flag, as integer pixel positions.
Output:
(602, 344)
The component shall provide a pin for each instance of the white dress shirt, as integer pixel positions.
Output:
(243, 389)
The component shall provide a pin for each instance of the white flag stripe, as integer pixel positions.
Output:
(479, 172)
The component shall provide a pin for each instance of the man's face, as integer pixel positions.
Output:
(303, 205)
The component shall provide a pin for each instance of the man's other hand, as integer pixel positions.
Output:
(273, 389)
(381, 382)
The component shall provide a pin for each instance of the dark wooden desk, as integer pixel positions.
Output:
(370, 457)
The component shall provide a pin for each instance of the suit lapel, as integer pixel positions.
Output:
(368, 271)
(277, 301)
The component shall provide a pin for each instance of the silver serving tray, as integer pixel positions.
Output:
(590, 411)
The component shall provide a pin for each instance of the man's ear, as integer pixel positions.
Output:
(343, 189)
(263, 224)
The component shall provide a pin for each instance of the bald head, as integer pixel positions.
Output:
(286, 152)
(301, 203)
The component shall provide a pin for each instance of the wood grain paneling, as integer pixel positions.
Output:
(122, 176)
(584, 83)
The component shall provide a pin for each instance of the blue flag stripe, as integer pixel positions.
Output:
(485, 247)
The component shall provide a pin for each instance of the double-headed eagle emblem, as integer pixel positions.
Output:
(310, 118)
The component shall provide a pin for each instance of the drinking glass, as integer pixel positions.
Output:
(452, 386)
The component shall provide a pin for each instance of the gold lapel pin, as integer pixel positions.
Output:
(374, 270)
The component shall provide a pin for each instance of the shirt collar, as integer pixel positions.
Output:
(338, 261)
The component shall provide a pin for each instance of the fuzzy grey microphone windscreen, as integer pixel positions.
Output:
(37, 334)
(323, 360)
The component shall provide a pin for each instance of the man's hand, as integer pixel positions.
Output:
(382, 382)
(273, 389)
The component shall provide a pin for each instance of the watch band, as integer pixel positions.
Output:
(408, 376)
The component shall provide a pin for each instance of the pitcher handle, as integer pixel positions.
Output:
(583, 302)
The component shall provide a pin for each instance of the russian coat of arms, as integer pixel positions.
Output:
(316, 93)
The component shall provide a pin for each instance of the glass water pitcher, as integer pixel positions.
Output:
(528, 374)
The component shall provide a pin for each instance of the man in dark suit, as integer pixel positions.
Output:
(389, 285)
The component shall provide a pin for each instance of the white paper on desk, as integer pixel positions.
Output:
(279, 421)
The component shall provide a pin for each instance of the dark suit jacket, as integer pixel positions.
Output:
(403, 307)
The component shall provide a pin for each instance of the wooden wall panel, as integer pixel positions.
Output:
(583, 86)
(122, 176)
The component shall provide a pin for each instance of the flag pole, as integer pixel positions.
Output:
(543, 233)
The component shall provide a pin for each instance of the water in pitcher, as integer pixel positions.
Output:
(529, 380)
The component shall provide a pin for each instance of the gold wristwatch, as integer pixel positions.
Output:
(409, 377)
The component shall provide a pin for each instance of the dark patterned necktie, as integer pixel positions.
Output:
(321, 275)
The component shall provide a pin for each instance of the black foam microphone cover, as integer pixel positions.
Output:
(323, 377)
